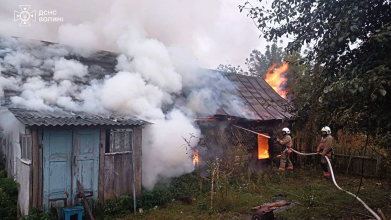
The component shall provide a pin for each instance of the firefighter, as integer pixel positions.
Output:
(286, 143)
(325, 148)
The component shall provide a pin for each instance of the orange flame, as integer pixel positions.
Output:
(195, 157)
(275, 80)
(263, 147)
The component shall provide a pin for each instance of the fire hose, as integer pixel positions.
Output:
(331, 171)
(335, 183)
(252, 131)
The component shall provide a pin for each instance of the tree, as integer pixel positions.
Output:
(228, 68)
(259, 63)
(350, 58)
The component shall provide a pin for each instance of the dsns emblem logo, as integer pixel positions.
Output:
(24, 16)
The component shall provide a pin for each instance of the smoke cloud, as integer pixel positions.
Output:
(157, 76)
(67, 69)
(214, 30)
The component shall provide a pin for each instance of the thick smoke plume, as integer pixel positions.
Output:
(150, 83)
(214, 30)
(155, 78)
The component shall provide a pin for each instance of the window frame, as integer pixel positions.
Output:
(26, 147)
(112, 133)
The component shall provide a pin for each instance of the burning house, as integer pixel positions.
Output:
(267, 114)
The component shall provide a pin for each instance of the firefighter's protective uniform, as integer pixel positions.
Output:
(286, 143)
(325, 148)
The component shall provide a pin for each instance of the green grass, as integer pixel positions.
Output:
(315, 198)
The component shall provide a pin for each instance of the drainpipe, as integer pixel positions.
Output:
(134, 176)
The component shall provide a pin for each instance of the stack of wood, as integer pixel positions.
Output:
(265, 211)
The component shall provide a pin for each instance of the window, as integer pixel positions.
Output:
(121, 140)
(26, 146)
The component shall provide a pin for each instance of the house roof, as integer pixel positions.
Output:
(259, 99)
(66, 118)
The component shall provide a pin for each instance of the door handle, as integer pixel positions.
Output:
(74, 161)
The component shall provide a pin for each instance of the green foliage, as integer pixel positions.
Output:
(117, 208)
(36, 214)
(313, 197)
(8, 198)
(3, 174)
(163, 193)
(2, 161)
(157, 197)
(258, 63)
(202, 204)
(228, 68)
(234, 196)
(185, 185)
(349, 60)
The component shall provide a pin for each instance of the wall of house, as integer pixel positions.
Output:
(11, 149)
(273, 128)
(116, 170)
(15, 166)
(8, 150)
(24, 179)
(247, 139)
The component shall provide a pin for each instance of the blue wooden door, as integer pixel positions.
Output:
(57, 177)
(86, 162)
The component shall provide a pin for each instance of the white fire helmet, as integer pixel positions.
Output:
(286, 130)
(326, 129)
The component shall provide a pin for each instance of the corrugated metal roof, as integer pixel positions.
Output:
(66, 118)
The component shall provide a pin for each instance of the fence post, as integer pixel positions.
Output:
(379, 167)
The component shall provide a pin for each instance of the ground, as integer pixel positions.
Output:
(314, 198)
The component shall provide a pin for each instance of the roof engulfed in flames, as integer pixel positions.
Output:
(274, 77)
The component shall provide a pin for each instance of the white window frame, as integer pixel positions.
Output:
(26, 146)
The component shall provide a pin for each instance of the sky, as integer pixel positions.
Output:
(214, 31)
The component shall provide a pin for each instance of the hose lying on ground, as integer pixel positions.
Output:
(335, 183)
(332, 173)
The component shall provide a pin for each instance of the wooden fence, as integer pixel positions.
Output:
(356, 161)
(348, 160)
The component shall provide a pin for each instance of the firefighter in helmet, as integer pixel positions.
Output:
(325, 148)
(286, 143)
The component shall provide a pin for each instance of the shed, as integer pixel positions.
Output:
(59, 148)
(48, 151)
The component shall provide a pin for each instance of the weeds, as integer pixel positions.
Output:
(36, 214)
(2, 161)
(8, 198)
(234, 196)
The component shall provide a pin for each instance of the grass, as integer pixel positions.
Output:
(314, 198)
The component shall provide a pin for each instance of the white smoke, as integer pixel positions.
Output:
(8, 121)
(67, 69)
(19, 59)
(84, 42)
(161, 160)
(214, 30)
(128, 93)
(157, 78)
